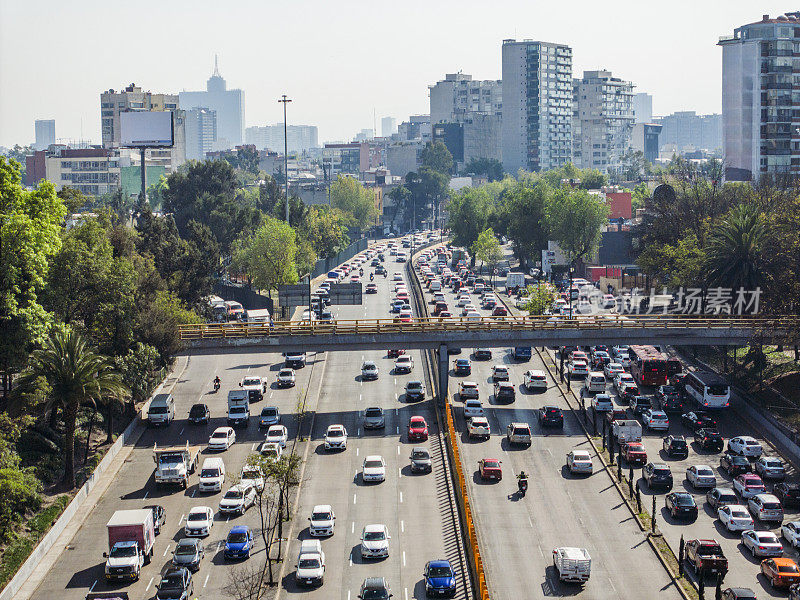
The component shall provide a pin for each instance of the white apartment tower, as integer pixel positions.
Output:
(458, 97)
(45, 131)
(537, 105)
(602, 121)
(759, 90)
(201, 132)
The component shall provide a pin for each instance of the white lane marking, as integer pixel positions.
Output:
(354, 498)
(529, 521)
(402, 527)
(548, 451)
(149, 583)
(348, 594)
(399, 471)
(352, 526)
(540, 551)
(358, 431)
(398, 429)
(270, 394)
(401, 496)
(193, 493)
(253, 447)
(404, 558)
(351, 558)
(397, 411)
(181, 521)
(206, 581)
(405, 590)
(181, 431)
(359, 397)
(94, 584)
(612, 584)
(398, 451)
(227, 518)
(146, 494)
(166, 550)
(395, 382)
(356, 451)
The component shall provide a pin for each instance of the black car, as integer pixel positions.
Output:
(380, 270)
(788, 494)
(669, 398)
(639, 404)
(376, 262)
(738, 593)
(657, 475)
(504, 392)
(681, 505)
(675, 446)
(482, 354)
(199, 414)
(734, 464)
(698, 419)
(709, 439)
(629, 392)
(176, 584)
(375, 588)
(462, 366)
(720, 497)
(551, 416)
(159, 516)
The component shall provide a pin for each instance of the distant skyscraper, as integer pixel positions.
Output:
(388, 126)
(603, 120)
(537, 105)
(759, 98)
(201, 132)
(300, 138)
(643, 107)
(45, 133)
(458, 97)
(686, 130)
(364, 135)
(228, 104)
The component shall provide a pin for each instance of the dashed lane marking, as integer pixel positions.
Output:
(205, 583)
(354, 498)
(94, 584)
(402, 527)
(404, 558)
(401, 496)
(149, 583)
(165, 551)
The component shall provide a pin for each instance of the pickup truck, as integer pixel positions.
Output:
(255, 387)
(174, 464)
(131, 536)
(634, 453)
(310, 568)
(478, 428)
(572, 564)
(627, 430)
(706, 557)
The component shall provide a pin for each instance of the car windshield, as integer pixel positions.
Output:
(662, 472)
(492, 464)
(209, 473)
(335, 433)
(197, 516)
(321, 516)
(678, 444)
(269, 412)
(285, 373)
(684, 501)
(372, 464)
(788, 569)
(414, 385)
(374, 594)
(439, 572)
(709, 550)
(419, 454)
(373, 412)
(521, 431)
(668, 389)
(197, 410)
(250, 473)
(374, 536)
(185, 549)
(308, 563)
(172, 583)
(237, 537)
(123, 551)
(740, 460)
(219, 434)
(158, 410)
(250, 381)
(705, 472)
(234, 495)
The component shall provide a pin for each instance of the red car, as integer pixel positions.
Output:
(634, 453)
(417, 429)
(394, 353)
(490, 469)
(500, 311)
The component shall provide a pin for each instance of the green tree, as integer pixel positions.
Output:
(490, 167)
(401, 199)
(592, 179)
(158, 320)
(468, 215)
(354, 201)
(298, 211)
(30, 226)
(268, 256)
(679, 265)
(324, 230)
(270, 193)
(429, 189)
(575, 219)
(487, 249)
(436, 156)
(19, 153)
(76, 375)
(155, 192)
(540, 298)
(639, 197)
(73, 199)
(735, 248)
(523, 215)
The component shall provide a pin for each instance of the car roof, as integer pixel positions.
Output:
(322, 508)
(239, 529)
(439, 563)
(374, 582)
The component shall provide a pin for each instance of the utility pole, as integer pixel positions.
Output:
(285, 101)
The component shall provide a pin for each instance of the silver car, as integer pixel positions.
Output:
(420, 460)
(270, 415)
(374, 418)
(188, 553)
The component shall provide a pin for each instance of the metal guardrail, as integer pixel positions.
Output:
(768, 325)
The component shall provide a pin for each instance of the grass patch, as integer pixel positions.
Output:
(23, 544)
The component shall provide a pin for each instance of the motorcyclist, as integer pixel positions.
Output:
(217, 382)
(371, 276)
(522, 482)
(361, 271)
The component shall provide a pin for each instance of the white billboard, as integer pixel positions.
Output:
(144, 128)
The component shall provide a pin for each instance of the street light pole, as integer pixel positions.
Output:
(569, 291)
(285, 101)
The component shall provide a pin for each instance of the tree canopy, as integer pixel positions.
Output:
(355, 202)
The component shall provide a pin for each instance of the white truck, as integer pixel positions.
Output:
(174, 464)
(478, 428)
(573, 565)
(627, 430)
(254, 385)
(515, 280)
(131, 536)
(310, 563)
(239, 403)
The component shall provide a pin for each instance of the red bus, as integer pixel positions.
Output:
(648, 365)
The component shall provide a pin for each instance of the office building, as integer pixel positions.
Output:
(364, 135)
(45, 130)
(644, 139)
(643, 107)
(537, 105)
(602, 120)
(201, 132)
(686, 131)
(458, 97)
(353, 158)
(403, 157)
(300, 138)
(228, 104)
(418, 127)
(388, 126)
(759, 98)
(92, 171)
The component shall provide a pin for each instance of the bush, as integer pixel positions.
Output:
(19, 489)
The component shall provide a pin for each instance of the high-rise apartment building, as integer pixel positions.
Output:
(45, 130)
(643, 107)
(602, 120)
(228, 104)
(458, 97)
(300, 138)
(201, 132)
(388, 126)
(537, 105)
(686, 131)
(759, 98)
(417, 127)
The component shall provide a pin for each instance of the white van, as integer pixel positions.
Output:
(595, 382)
(212, 475)
(161, 410)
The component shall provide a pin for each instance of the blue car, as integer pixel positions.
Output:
(239, 542)
(440, 579)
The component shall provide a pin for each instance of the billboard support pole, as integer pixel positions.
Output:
(144, 176)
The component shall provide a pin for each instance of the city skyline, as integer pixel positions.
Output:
(680, 64)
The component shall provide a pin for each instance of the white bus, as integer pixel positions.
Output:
(708, 389)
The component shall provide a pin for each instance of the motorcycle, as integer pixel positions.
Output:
(522, 485)
(372, 276)
(216, 385)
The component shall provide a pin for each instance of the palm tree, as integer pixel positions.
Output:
(76, 375)
(735, 246)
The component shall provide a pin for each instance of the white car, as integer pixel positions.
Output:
(469, 308)
(473, 315)
(612, 369)
(473, 408)
(579, 461)
(770, 467)
(701, 476)
(535, 379)
(602, 403)
(735, 517)
(277, 434)
(762, 543)
(238, 499)
(468, 389)
(286, 378)
(403, 364)
(270, 450)
(746, 446)
(375, 541)
(463, 300)
(369, 370)
(336, 437)
(222, 438)
(253, 475)
(374, 469)
(655, 420)
(578, 368)
(500, 373)
(791, 533)
(478, 427)
(623, 378)
(322, 521)
(397, 276)
(199, 522)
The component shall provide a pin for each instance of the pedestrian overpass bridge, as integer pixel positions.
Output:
(492, 332)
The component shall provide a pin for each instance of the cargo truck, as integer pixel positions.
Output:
(572, 564)
(131, 536)
(627, 430)
(174, 464)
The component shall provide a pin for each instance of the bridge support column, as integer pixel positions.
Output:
(444, 372)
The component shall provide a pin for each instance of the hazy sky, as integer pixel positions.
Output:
(340, 59)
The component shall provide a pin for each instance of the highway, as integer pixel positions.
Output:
(517, 535)
(415, 508)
